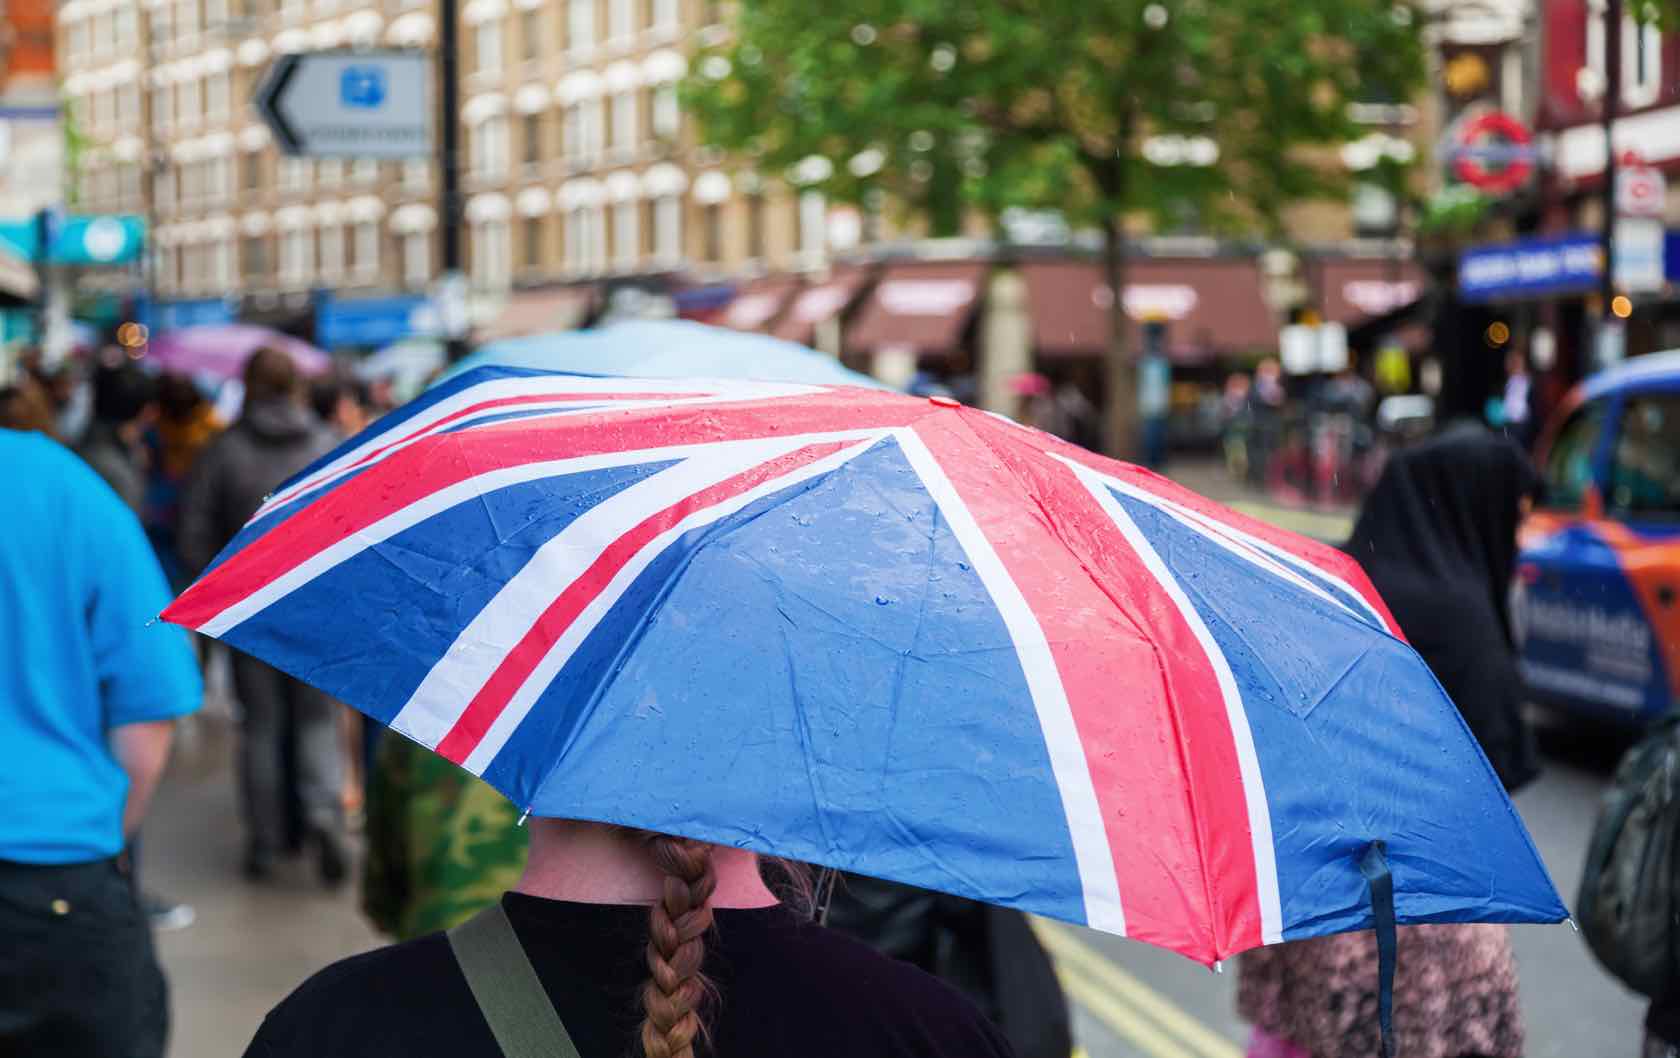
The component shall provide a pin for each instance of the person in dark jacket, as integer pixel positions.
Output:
(124, 405)
(274, 438)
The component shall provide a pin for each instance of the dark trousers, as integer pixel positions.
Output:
(274, 706)
(78, 975)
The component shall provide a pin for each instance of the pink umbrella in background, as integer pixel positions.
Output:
(219, 351)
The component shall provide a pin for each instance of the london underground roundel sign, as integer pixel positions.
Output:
(1494, 152)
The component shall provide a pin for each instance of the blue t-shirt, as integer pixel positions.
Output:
(80, 653)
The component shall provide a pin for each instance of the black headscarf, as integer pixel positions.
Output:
(1438, 538)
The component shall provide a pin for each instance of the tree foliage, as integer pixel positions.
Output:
(1096, 109)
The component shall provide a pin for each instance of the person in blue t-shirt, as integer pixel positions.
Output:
(90, 687)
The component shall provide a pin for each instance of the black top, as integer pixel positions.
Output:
(787, 987)
(1438, 538)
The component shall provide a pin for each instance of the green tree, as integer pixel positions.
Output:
(943, 107)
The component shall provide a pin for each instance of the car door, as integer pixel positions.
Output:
(1590, 575)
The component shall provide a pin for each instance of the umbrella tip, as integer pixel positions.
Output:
(1219, 966)
(1572, 923)
(523, 817)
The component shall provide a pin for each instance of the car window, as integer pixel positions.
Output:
(1645, 472)
(1569, 464)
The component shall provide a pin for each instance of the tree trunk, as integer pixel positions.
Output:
(1120, 413)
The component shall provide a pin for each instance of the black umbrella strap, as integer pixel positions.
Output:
(1374, 866)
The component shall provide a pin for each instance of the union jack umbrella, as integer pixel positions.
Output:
(886, 634)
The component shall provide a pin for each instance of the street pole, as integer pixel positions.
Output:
(1612, 102)
(449, 170)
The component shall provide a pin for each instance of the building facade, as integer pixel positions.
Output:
(578, 164)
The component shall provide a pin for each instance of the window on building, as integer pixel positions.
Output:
(253, 255)
(219, 179)
(667, 228)
(329, 172)
(251, 171)
(76, 38)
(331, 250)
(417, 174)
(364, 256)
(755, 225)
(163, 188)
(534, 230)
(626, 234)
(163, 267)
(125, 27)
(294, 174)
(488, 37)
(163, 107)
(571, 132)
(533, 138)
(215, 15)
(621, 21)
(417, 258)
(623, 136)
(222, 273)
(130, 182)
(163, 25)
(813, 222)
(187, 22)
(128, 106)
(188, 108)
(580, 25)
(216, 93)
(590, 132)
(530, 34)
(364, 171)
(104, 107)
(490, 256)
(104, 34)
(1641, 55)
(711, 226)
(297, 245)
(490, 148)
(665, 14)
(667, 112)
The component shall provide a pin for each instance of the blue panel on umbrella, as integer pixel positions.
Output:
(836, 640)
(1322, 678)
(428, 582)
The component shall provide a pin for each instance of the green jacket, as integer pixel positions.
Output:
(442, 845)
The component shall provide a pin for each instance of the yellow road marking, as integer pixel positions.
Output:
(1130, 1007)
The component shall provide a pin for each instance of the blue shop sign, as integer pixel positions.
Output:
(370, 322)
(1530, 268)
(163, 316)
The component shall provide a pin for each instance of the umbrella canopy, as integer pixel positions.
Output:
(219, 351)
(882, 633)
(666, 349)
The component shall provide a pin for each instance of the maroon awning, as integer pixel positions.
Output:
(1211, 306)
(1350, 290)
(539, 311)
(922, 306)
(758, 304)
(819, 303)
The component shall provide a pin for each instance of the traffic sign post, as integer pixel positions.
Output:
(350, 104)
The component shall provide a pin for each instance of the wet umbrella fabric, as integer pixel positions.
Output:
(666, 349)
(887, 634)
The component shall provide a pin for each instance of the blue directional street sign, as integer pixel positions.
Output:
(75, 239)
(350, 104)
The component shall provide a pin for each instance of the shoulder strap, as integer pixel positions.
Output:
(507, 988)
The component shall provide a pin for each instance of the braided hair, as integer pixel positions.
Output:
(676, 990)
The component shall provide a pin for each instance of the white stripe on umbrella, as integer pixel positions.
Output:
(1092, 853)
(1248, 762)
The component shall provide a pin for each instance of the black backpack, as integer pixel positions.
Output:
(1630, 892)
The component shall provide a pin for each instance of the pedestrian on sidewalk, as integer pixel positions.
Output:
(124, 407)
(626, 942)
(90, 687)
(275, 437)
(1438, 538)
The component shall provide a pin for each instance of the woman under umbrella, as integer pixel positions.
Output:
(1438, 538)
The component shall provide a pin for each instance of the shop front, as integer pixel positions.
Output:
(370, 323)
(916, 327)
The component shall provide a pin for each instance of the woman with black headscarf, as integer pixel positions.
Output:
(1438, 537)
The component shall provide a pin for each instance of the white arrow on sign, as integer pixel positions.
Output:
(350, 104)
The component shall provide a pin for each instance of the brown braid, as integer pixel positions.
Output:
(677, 925)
